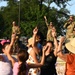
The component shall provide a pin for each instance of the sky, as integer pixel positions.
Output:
(3, 3)
(70, 6)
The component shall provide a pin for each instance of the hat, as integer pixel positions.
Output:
(4, 41)
(70, 45)
(30, 41)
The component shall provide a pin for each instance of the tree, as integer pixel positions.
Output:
(1, 25)
(31, 14)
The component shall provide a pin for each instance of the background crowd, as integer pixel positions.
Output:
(38, 58)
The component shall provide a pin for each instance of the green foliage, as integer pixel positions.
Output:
(1, 24)
(31, 15)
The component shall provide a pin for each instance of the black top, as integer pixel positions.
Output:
(49, 65)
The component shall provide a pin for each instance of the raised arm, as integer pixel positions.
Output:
(59, 52)
(9, 49)
(35, 30)
(46, 21)
(55, 43)
(35, 48)
(67, 24)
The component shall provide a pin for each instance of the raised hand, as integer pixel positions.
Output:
(44, 17)
(13, 37)
(53, 34)
(62, 39)
(45, 48)
(35, 30)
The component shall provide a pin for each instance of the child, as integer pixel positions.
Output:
(21, 67)
(5, 64)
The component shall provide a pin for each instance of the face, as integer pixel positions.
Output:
(49, 45)
(71, 18)
(14, 23)
(51, 24)
(5, 49)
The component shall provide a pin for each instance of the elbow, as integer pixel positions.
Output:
(41, 64)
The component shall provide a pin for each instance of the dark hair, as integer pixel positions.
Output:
(45, 42)
(41, 36)
(0, 48)
(72, 16)
(22, 56)
(5, 44)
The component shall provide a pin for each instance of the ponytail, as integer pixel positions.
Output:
(22, 69)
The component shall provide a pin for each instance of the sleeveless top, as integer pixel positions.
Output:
(15, 68)
(33, 71)
(49, 66)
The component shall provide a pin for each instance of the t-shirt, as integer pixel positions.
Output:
(49, 65)
(70, 65)
(5, 68)
(15, 69)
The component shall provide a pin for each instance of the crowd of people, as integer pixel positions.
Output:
(37, 58)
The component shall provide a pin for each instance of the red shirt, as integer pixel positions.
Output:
(70, 65)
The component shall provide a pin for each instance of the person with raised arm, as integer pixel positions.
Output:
(69, 26)
(69, 58)
(22, 67)
(50, 28)
(5, 64)
(50, 57)
(16, 30)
